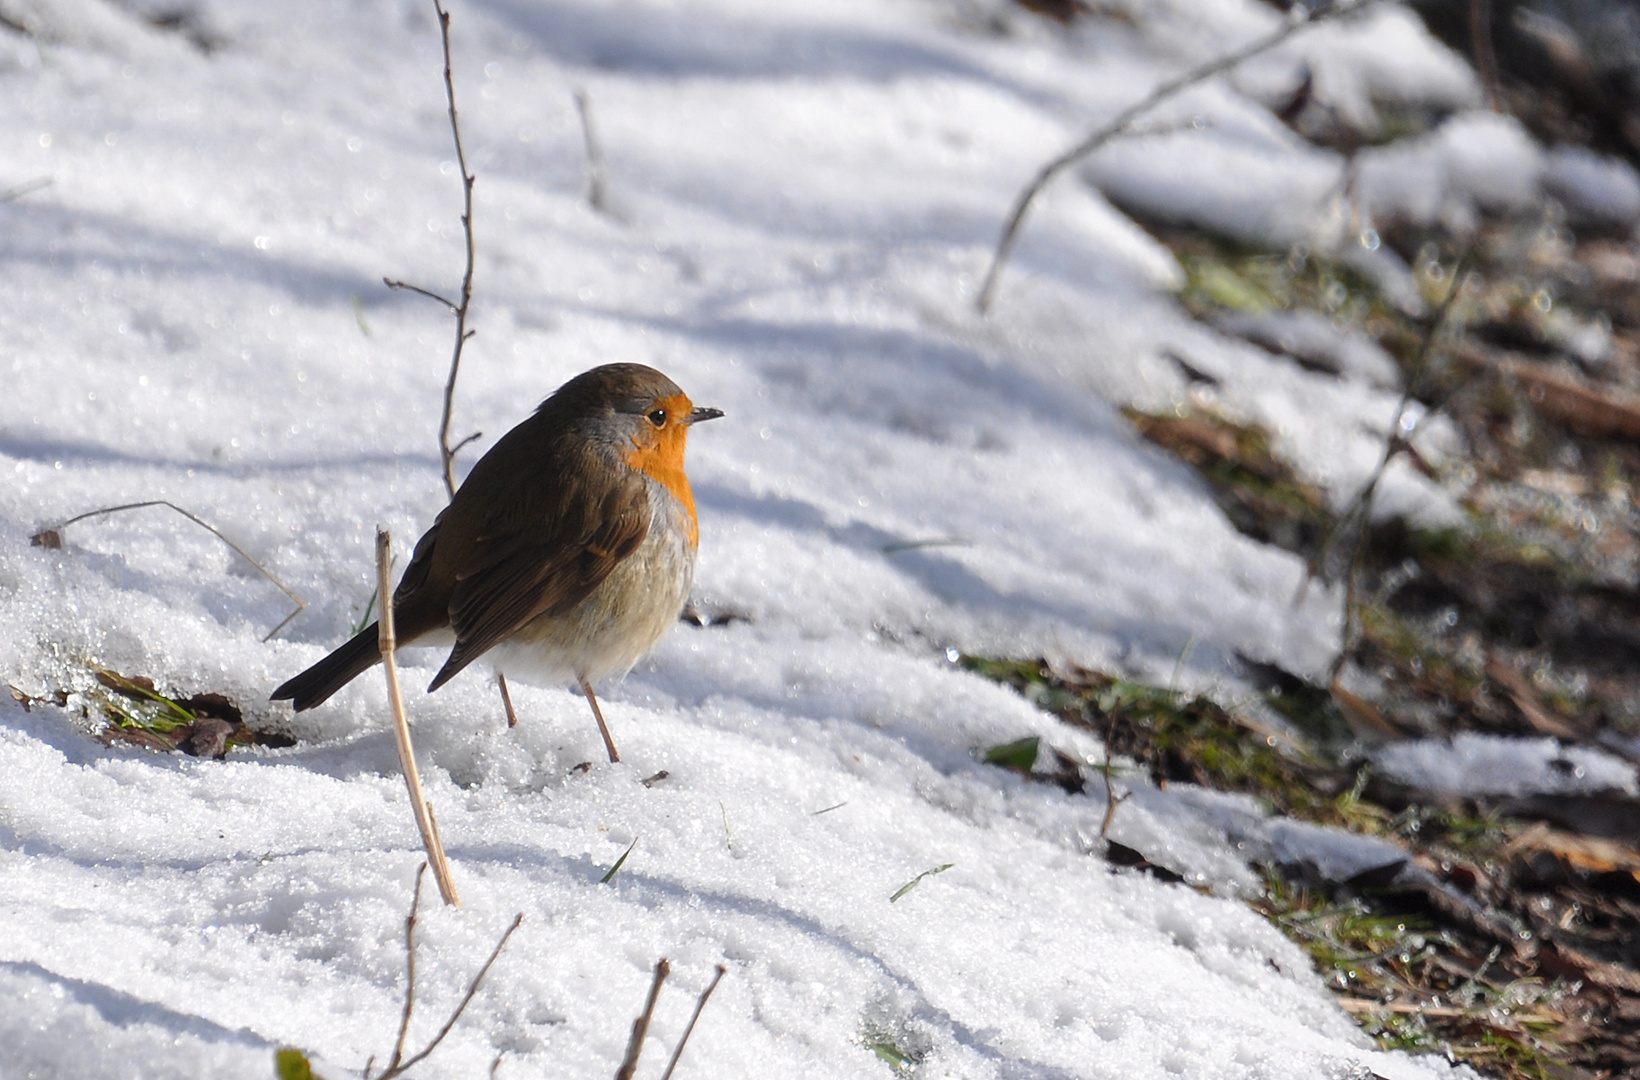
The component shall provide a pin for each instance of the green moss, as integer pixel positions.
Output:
(1176, 737)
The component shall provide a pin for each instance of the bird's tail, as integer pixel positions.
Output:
(316, 684)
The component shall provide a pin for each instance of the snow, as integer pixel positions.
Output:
(1475, 161)
(803, 201)
(1593, 187)
(1474, 764)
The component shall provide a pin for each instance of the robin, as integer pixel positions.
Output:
(568, 551)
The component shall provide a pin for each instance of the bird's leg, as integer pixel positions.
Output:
(603, 728)
(506, 699)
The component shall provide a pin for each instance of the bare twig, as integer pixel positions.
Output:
(506, 699)
(467, 275)
(1124, 120)
(52, 538)
(690, 1030)
(409, 971)
(640, 1026)
(25, 188)
(393, 283)
(1360, 504)
(597, 168)
(401, 728)
(1108, 770)
(1358, 515)
(1486, 59)
(467, 999)
(447, 453)
(398, 1067)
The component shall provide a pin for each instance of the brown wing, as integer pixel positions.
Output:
(544, 550)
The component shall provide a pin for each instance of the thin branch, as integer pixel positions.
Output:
(467, 277)
(1360, 508)
(27, 187)
(52, 538)
(1486, 58)
(1107, 767)
(597, 167)
(1123, 121)
(640, 1026)
(409, 971)
(393, 283)
(472, 991)
(690, 1030)
(1360, 503)
(506, 699)
(401, 727)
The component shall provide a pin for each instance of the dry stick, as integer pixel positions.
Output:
(409, 972)
(25, 188)
(640, 1026)
(690, 1030)
(51, 538)
(1486, 59)
(1394, 442)
(467, 277)
(598, 714)
(394, 283)
(506, 699)
(472, 991)
(1360, 509)
(1124, 120)
(401, 728)
(597, 169)
(1107, 767)
(447, 453)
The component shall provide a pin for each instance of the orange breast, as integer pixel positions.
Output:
(659, 456)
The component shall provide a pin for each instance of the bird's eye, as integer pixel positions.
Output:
(658, 418)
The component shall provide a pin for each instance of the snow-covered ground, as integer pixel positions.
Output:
(803, 199)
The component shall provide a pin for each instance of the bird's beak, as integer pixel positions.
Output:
(702, 414)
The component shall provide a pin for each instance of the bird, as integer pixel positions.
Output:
(568, 551)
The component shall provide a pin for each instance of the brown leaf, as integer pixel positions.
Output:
(132, 686)
(207, 738)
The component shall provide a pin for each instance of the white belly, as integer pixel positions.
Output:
(623, 618)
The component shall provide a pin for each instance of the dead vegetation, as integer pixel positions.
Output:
(131, 709)
(1508, 936)
(1506, 933)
